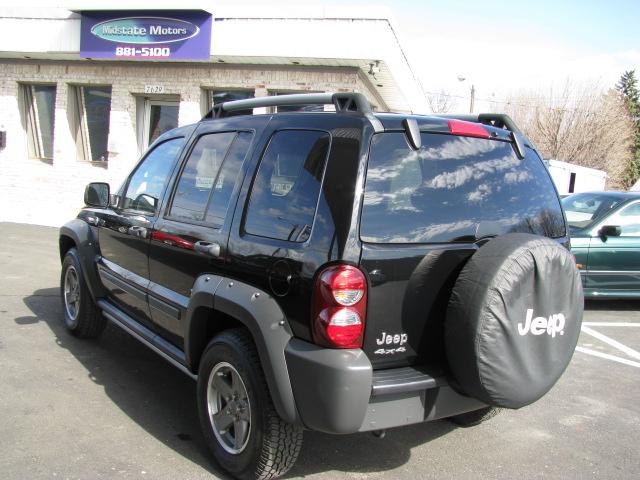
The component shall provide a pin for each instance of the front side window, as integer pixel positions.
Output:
(150, 177)
(38, 117)
(92, 109)
(287, 187)
(227, 178)
(455, 188)
(628, 219)
(584, 209)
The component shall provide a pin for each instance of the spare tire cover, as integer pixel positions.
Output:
(513, 320)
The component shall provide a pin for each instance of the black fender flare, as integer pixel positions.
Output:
(86, 244)
(261, 315)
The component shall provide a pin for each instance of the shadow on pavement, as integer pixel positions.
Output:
(162, 400)
(612, 305)
(154, 394)
(362, 452)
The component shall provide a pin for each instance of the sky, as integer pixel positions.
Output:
(501, 48)
(509, 47)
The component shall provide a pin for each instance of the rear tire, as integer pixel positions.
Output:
(471, 419)
(82, 317)
(239, 422)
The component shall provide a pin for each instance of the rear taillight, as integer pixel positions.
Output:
(469, 129)
(339, 307)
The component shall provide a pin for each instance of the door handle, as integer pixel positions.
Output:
(137, 231)
(208, 248)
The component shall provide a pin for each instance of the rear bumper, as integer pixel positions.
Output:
(336, 391)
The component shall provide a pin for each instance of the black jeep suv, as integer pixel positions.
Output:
(341, 271)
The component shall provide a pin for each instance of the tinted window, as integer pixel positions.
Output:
(148, 181)
(227, 178)
(455, 189)
(200, 175)
(286, 189)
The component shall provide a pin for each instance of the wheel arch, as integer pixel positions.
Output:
(78, 234)
(218, 303)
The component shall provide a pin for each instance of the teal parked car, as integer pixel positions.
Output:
(605, 239)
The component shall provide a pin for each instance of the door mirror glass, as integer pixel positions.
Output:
(97, 195)
(610, 231)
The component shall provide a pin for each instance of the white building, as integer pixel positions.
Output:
(70, 119)
(570, 178)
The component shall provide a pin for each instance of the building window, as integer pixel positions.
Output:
(154, 117)
(297, 108)
(91, 107)
(214, 96)
(38, 104)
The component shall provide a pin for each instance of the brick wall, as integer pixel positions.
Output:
(51, 192)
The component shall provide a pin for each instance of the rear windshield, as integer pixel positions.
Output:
(455, 189)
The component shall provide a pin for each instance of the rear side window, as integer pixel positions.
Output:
(286, 189)
(455, 189)
(200, 176)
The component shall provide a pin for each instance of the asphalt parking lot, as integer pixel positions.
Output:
(112, 409)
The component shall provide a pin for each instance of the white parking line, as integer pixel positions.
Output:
(610, 341)
(611, 324)
(588, 351)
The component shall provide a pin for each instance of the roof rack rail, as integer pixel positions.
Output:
(343, 102)
(498, 120)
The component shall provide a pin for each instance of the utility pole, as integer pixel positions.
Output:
(473, 98)
(462, 78)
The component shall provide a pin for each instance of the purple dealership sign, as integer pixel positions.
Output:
(146, 35)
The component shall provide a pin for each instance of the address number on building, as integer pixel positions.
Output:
(154, 89)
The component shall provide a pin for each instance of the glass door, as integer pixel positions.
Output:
(160, 116)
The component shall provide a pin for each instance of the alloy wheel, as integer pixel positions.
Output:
(229, 408)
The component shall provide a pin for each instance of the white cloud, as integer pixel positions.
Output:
(476, 171)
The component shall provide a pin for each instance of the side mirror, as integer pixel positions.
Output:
(610, 231)
(97, 195)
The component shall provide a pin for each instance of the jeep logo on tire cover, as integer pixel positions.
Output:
(537, 326)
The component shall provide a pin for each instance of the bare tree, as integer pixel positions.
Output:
(578, 124)
(440, 102)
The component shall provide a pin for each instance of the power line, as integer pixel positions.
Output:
(518, 103)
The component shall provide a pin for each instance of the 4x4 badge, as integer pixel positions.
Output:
(390, 351)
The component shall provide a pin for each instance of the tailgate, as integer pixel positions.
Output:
(425, 212)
